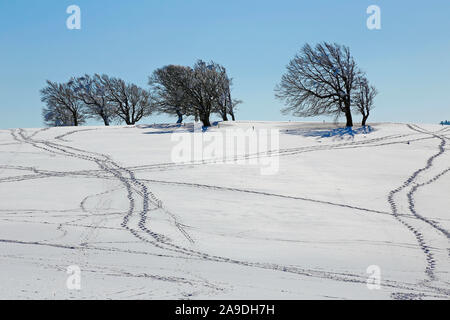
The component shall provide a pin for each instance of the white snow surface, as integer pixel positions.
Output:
(111, 201)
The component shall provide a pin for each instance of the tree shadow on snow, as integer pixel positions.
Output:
(338, 133)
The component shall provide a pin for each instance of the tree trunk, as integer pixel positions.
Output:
(224, 117)
(180, 117)
(364, 120)
(106, 120)
(205, 120)
(348, 116)
(127, 117)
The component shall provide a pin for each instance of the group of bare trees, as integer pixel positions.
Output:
(62, 105)
(99, 97)
(320, 80)
(325, 80)
(199, 91)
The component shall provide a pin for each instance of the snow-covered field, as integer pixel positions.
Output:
(111, 201)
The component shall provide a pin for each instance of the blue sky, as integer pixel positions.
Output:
(407, 60)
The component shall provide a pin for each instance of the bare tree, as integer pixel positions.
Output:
(55, 116)
(233, 107)
(131, 103)
(94, 95)
(169, 93)
(62, 105)
(319, 81)
(210, 88)
(363, 98)
(199, 91)
(200, 85)
(222, 96)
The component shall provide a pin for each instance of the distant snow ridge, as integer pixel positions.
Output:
(338, 132)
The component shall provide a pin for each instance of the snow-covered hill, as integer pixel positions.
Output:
(339, 209)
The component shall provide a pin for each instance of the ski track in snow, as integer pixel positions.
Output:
(142, 202)
(105, 163)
